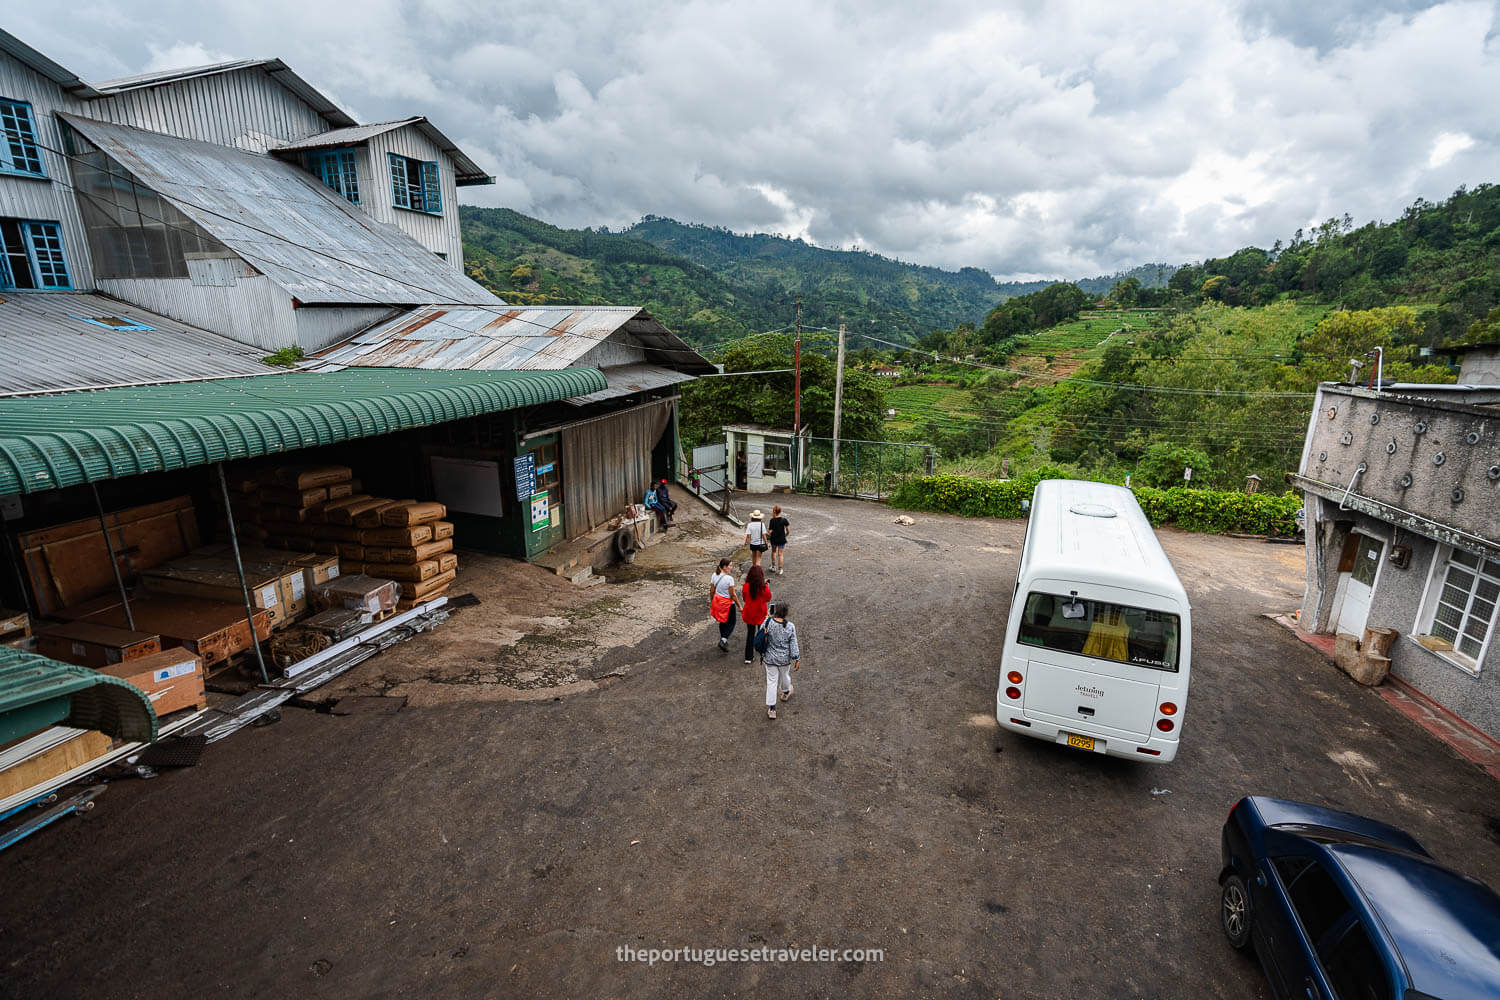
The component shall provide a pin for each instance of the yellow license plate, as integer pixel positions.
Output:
(1081, 742)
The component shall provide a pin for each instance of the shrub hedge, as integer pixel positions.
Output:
(1209, 511)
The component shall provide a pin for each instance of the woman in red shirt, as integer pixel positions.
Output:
(756, 606)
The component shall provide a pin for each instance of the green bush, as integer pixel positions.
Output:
(1192, 510)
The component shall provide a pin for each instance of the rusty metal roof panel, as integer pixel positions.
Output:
(541, 338)
(56, 341)
(280, 219)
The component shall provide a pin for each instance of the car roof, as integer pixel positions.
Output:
(1445, 926)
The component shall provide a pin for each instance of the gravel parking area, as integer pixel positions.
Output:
(484, 845)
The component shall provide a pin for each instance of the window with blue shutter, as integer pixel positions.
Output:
(31, 255)
(416, 184)
(337, 169)
(19, 153)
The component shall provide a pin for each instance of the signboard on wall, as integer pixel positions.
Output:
(525, 476)
(540, 515)
(468, 485)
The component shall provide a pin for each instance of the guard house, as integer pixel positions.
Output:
(1403, 529)
(763, 459)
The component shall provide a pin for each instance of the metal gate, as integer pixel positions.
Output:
(870, 469)
(709, 464)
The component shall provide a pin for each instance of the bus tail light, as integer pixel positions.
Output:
(1167, 708)
(1013, 693)
(1165, 725)
(1014, 676)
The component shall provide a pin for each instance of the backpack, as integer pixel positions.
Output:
(763, 636)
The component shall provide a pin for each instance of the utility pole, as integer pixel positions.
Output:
(838, 409)
(797, 400)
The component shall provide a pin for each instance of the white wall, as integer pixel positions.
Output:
(438, 233)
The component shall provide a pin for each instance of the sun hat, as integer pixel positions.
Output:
(756, 515)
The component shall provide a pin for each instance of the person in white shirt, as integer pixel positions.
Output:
(755, 537)
(723, 602)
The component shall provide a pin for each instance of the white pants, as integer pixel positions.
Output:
(777, 677)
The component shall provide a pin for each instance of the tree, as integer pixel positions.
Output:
(710, 403)
(1163, 463)
(1126, 293)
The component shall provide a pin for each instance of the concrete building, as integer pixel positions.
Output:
(1403, 529)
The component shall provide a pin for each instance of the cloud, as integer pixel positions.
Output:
(1032, 138)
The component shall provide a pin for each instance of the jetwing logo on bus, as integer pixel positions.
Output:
(1089, 691)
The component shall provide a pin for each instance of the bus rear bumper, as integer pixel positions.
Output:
(1156, 750)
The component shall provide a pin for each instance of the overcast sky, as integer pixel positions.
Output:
(1033, 139)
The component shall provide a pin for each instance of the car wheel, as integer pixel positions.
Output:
(1234, 911)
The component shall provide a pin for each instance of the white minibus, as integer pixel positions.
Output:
(1098, 645)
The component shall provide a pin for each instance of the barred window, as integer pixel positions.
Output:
(1460, 609)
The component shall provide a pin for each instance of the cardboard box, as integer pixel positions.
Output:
(89, 644)
(357, 592)
(172, 679)
(315, 568)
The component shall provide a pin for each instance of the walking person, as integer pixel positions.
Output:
(755, 536)
(756, 605)
(723, 602)
(783, 657)
(776, 533)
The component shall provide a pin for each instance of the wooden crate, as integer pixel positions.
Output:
(90, 644)
(217, 580)
(61, 759)
(14, 626)
(70, 562)
(215, 630)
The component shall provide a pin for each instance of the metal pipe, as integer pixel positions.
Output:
(1360, 471)
(113, 562)
(234, 546)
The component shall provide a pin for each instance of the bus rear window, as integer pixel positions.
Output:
(1137, 636)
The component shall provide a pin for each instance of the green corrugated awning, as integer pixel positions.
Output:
(36, 692)
(49, 442)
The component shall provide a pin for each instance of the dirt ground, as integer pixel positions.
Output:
(475, 845)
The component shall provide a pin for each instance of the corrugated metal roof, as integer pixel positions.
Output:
(627, 379)
(50, 346)
(275, 68)
(49, 442)
(467, 171)
(510, 338)
(289, 226)
(34, 688)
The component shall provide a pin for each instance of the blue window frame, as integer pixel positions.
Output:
(416, 184)
(19, 153)
(115, 323)
(31, 255)
(337, 169)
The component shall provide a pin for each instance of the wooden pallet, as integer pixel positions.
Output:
(15, 628)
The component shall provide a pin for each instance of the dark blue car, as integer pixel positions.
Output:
(1338, 907)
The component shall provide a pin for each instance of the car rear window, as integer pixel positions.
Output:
(1105, 631)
